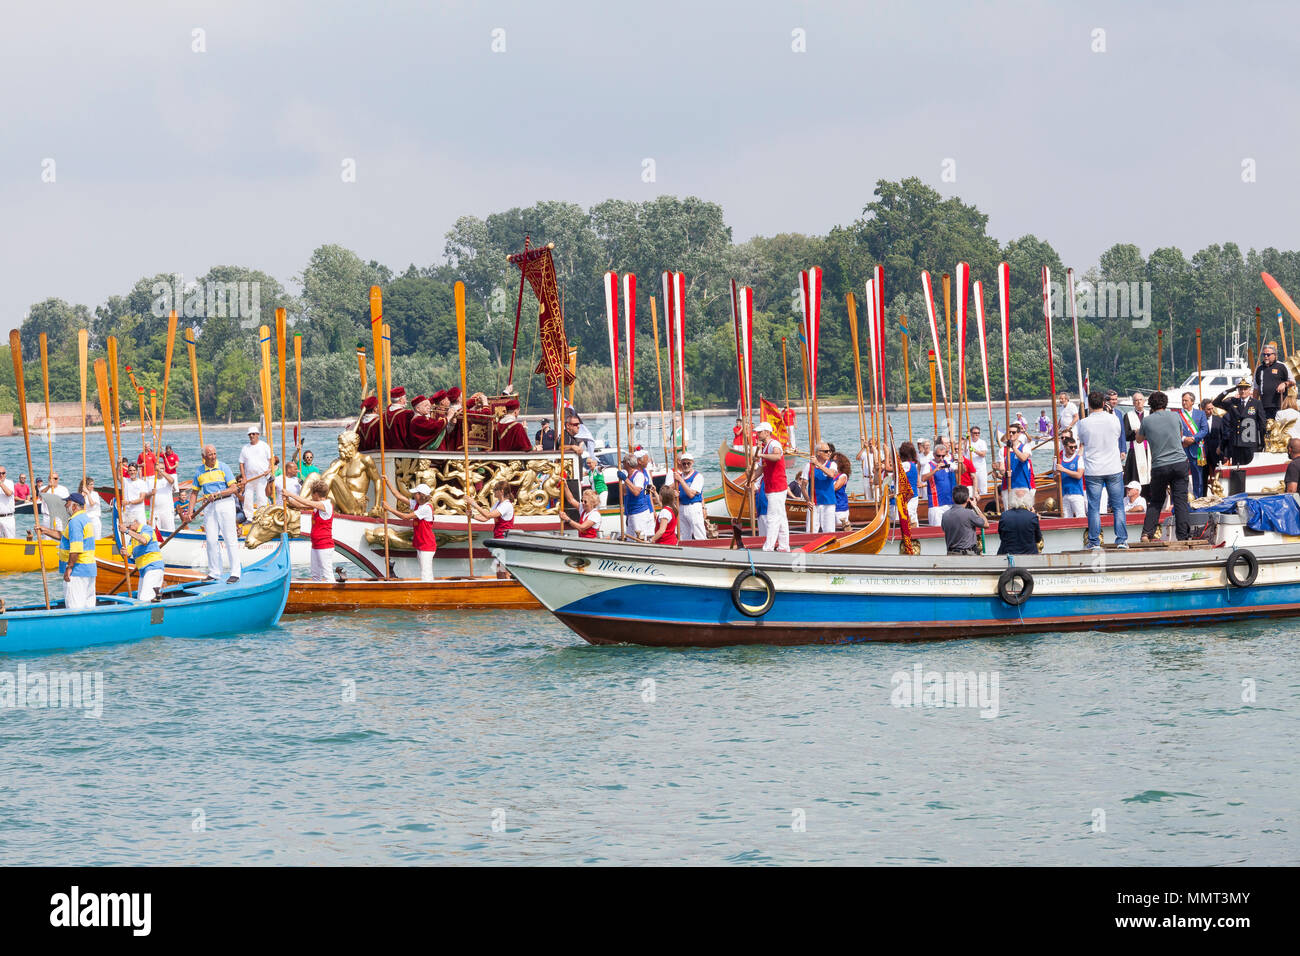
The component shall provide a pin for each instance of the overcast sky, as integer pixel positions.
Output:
(168, 160)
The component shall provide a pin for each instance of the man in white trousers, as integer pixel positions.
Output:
(217, 483)
(7, 505)
(690, 498)
(771, 457)
(254, 459)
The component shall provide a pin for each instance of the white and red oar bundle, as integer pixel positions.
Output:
(611, 326)
(928, 288)
(1004, 305)
(984, 355)
(1051, 364)
(742, 316)
(1078, 361)
(674, 285)
(629, 348)
(810, 294)
(963, 287)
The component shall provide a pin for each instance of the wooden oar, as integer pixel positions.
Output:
(114, 406)
(297, 368)
(102, 381)
(45, 380)
(469, 487)
(194, 375)
(16, 349)
(281, 345)
(161, 417)
(209, 499)
(83, 351)
(377, 345)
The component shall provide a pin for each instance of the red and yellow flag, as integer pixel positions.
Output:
(776, 418)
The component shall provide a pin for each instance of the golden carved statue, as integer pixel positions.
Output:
(268, 524)
(349, 478)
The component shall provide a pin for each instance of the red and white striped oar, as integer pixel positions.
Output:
(679, 317)
(984, 354)
(963, 291)
(928, 288)
(1051, 361)
(879, 288)
(629, 336)
(1280, 294)
(1074, 321)
(1004, 303)
(873, 346)
(611, 313)
(740, 349)
(745, 312)
(669, 307)
(810, 283)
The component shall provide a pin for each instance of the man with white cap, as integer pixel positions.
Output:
(639, 511)
(77, 555)
(771, 458)
(690, 499)
(254, 459)
(421, 518)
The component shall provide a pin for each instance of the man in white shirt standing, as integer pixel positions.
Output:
(136, 494)
(979, 454)
(54, 517)
(290, 476)
(164, 485)
(254, 460)
(1067, 413)
(1098, 436)
(690, 497)
(7, 529)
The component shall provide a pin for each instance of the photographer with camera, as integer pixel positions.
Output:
(962, 523)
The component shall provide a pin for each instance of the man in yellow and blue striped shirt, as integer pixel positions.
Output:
(77, 555)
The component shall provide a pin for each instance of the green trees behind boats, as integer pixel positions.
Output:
(907, 226)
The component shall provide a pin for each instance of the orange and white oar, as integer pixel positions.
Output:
(1280, 294)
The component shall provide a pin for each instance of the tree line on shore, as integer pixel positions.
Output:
(907, 227)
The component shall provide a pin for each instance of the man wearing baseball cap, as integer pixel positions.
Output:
(690, 498)
(77, 555)
(254, 461)
(771, 457)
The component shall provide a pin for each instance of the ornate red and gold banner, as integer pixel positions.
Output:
(538, 268)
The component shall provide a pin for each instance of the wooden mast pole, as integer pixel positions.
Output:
(16, 350)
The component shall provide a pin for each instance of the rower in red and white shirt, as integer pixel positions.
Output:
(588, 522)
(322, 526)
(502, 517)
(421, 518)
(666, 529)
(771, 455)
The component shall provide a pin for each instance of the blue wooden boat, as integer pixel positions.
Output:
(198, 609)
(619, 593)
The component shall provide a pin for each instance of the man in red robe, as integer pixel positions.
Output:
(451, 440)
(428, 423)
(367, 425)
(397, 419)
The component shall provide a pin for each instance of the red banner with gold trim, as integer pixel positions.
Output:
(538, 268)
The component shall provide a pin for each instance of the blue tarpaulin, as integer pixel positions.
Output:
(1278, 513)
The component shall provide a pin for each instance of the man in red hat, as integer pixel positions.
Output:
(367, 433)
(397, 419)
(428, 423)
(451, 439)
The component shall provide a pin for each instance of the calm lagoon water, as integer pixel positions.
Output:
(477, 737)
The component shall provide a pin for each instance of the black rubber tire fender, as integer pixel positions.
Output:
(1252, 568)
(1026, 586)
(769, 591)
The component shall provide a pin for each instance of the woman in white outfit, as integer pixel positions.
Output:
(93, 504)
